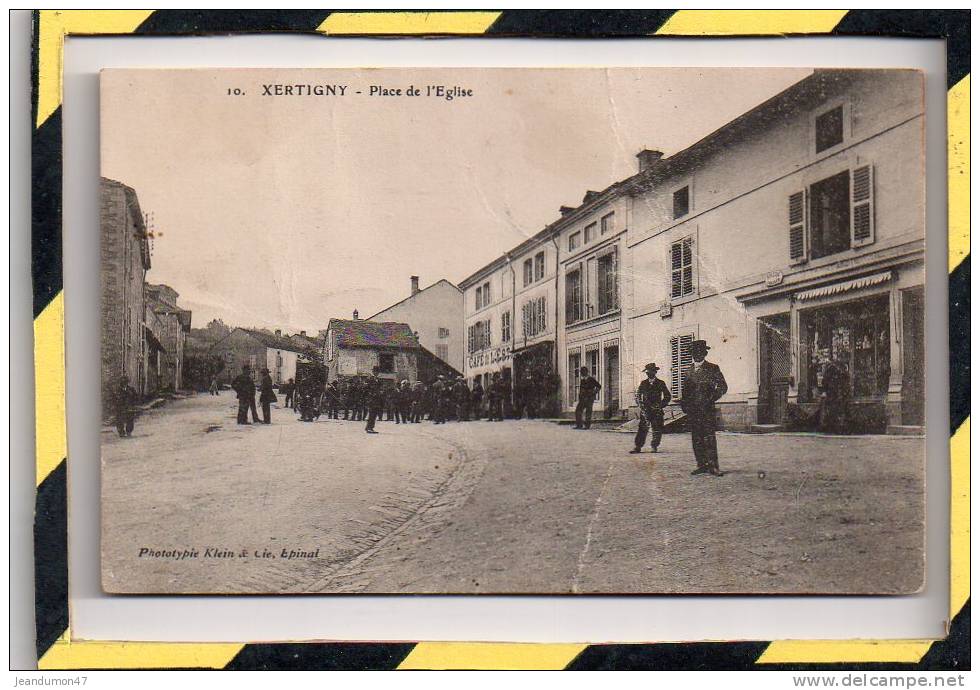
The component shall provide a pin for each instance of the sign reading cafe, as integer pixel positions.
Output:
(489, 357)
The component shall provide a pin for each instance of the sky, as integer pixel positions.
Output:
(283, 211)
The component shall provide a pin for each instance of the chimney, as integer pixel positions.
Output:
(565, 210)
(355, 314)
(415, 284)
(278, 332)
(303, 333)
(646, 158)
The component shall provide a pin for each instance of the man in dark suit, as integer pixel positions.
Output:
(267, 397)
(588, 391)
(652, 397)
(703, 385)
(374, 398)
(124, 399)
(245, 388)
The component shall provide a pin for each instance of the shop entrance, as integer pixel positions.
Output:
(913, 360)
(774, 368)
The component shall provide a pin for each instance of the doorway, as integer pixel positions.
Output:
(774, 368)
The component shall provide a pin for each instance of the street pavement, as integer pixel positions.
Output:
(502, 507)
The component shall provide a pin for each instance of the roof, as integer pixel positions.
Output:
(638, 182)
(271, 341)
(591, 202)
(304, 340)
(416, 294)
(361, 333)
(803, 94)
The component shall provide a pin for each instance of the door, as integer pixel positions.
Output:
(913, 359)
(774, 368)
(612, 380)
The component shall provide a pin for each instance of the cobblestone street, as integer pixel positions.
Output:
(517, 506)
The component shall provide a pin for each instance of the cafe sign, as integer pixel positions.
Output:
(489, 357)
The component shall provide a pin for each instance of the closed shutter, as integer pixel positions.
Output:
(862, 206)
(680, 361)
(797, 228)
(676, 269)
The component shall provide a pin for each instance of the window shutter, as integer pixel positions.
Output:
(674, 366)
(680, 362)
(675, 269)
(862, 206)
(797, 228)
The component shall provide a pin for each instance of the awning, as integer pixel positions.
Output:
(836, 288)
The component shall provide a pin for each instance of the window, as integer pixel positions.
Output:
(443, 332)
(573, 296)
(682, 201)
(479, 298)
(608, 223)
(574, 241)
(486, 294)
(505, 327)
(386, 363)
(681, 262)
(442, 351)
(590, 232)
(528, 272)
(680, 362)
(534, 317)
(832, 215)
(592, 359)
(478, 336)
(539, 266)
(608, 283)
(574, 364)
(856, 336)
(829, 128)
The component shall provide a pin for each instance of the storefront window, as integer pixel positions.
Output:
(855, 335)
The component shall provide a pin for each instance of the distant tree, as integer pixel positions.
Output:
(199, 369)
(216, 330)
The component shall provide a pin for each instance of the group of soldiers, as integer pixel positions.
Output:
(368, 398)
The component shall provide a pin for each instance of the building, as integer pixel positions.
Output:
(592, 241)
(169, 326)
(488, 309)
(260, 350)
(434, 314)
(125, 256)
(792, 235)
(511, 318)
(354, 347)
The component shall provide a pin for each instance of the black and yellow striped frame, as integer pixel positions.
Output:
(55, 647)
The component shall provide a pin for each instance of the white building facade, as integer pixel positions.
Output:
(592, 243)
(792, 236)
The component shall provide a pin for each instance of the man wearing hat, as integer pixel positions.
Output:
(703, 385)
(652, 396)
(245, 389)
(267, 397)
(588, 391)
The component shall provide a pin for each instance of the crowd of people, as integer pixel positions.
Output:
(371, 398)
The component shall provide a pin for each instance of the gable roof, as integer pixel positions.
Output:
(413, 296)
(363, 333)
(274, 342)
